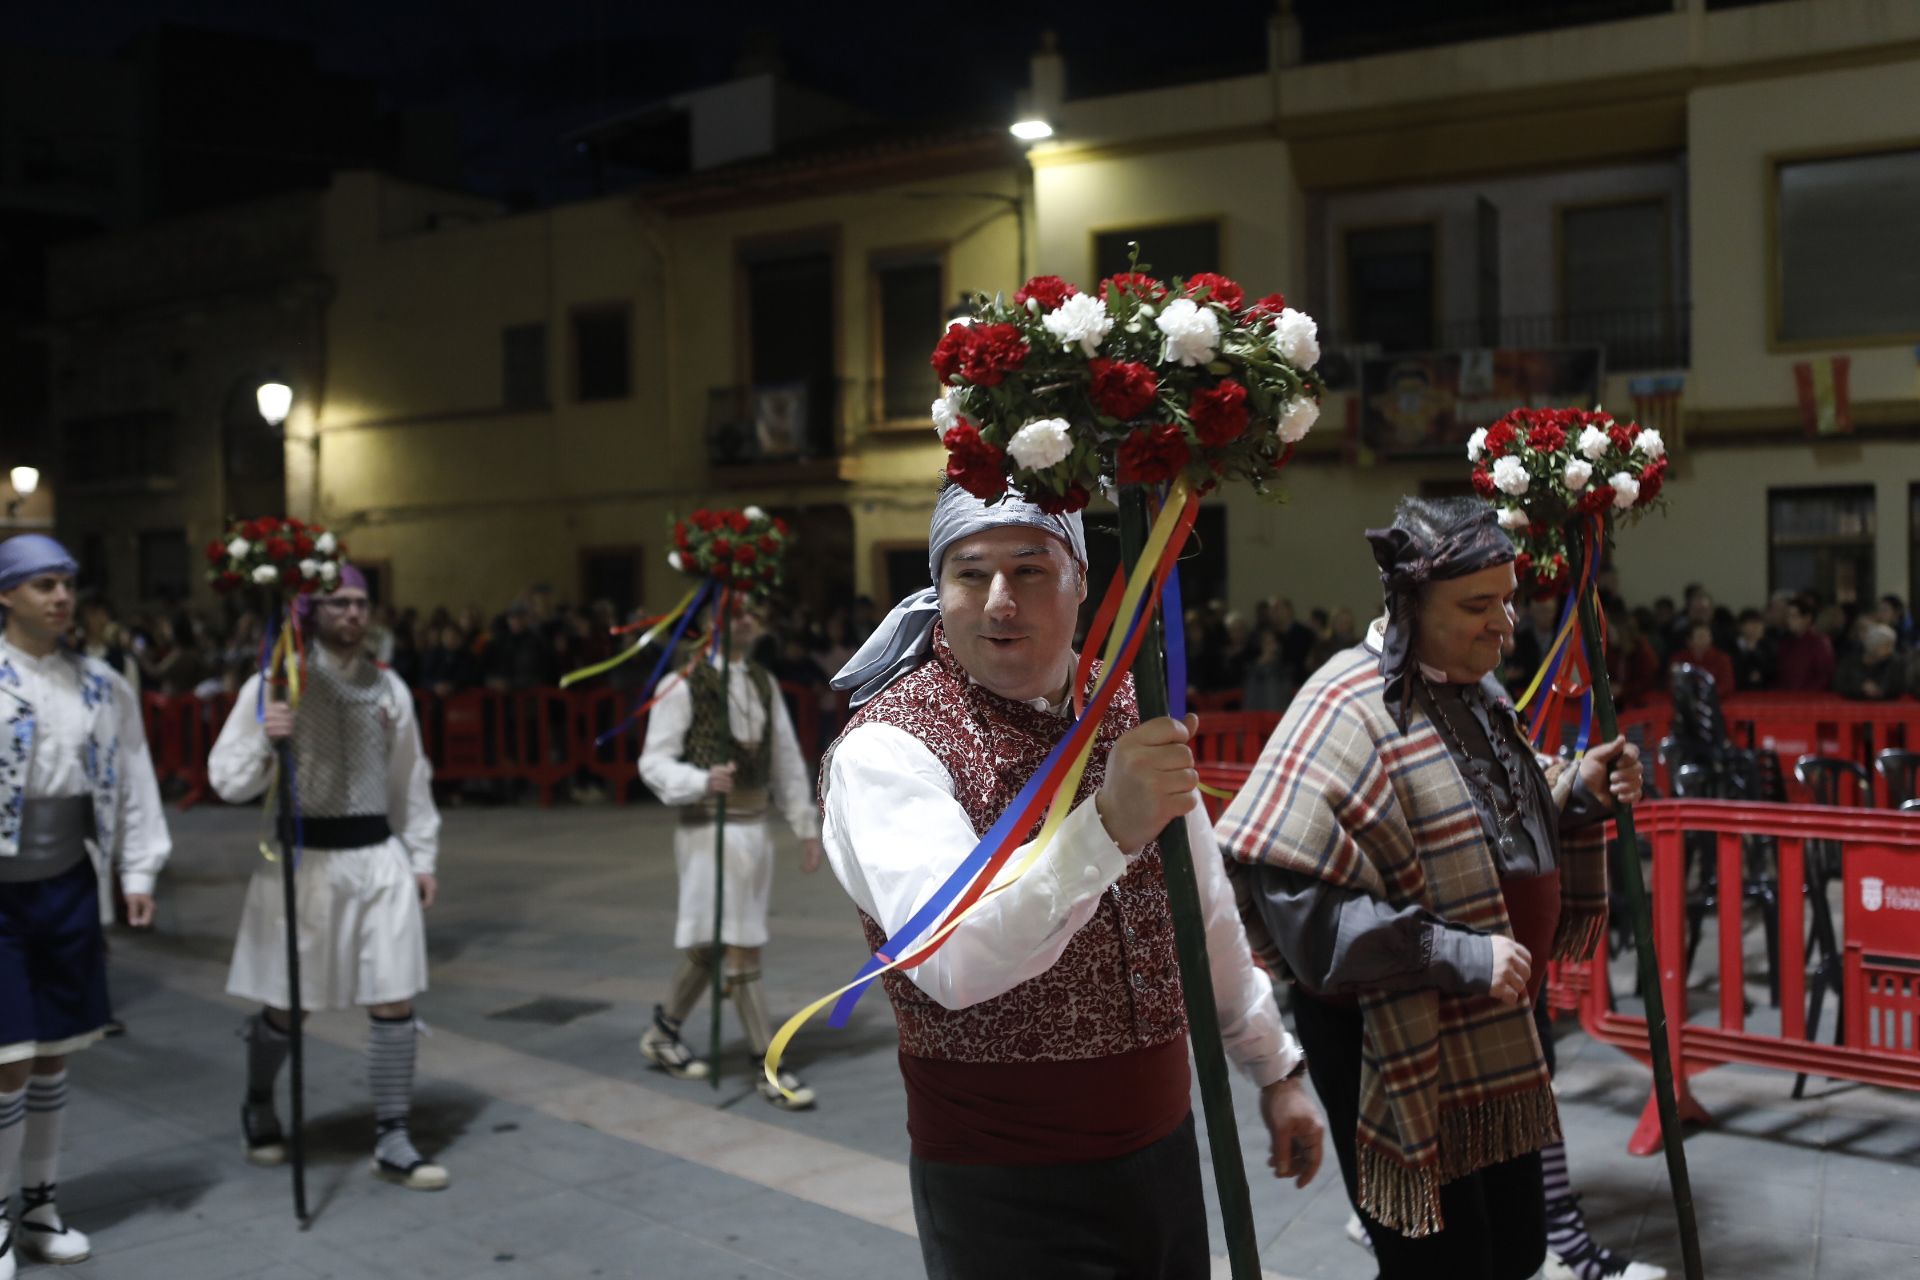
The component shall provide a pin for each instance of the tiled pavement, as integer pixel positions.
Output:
(571, 1161)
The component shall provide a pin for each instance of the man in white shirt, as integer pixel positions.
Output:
(704, 742)
(1044, 1045)
(368, 838)
(74, 768)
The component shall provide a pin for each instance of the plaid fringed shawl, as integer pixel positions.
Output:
(1449, 1084)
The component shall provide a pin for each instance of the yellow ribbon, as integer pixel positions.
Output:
(1546, 663)
(647, 637)
(1137, 585)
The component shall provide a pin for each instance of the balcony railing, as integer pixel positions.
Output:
(1634, 341)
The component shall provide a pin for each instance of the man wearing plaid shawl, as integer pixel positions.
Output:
(1411, 865)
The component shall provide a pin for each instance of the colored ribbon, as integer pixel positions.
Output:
(688, 605)
(1052, 786)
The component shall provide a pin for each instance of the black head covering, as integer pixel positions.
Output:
(1430, 540)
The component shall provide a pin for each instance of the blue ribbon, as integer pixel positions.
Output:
(1173, 622)
(660, 667)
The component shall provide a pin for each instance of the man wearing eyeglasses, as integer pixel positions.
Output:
(367, 835)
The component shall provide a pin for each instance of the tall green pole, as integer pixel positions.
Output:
(723, 624)
(1608, 727)
(1190, 938)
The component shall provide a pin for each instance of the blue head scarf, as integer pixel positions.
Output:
(28, 555)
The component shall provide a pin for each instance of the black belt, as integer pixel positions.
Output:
(338, 833)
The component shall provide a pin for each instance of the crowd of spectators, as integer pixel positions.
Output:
(1253, 659)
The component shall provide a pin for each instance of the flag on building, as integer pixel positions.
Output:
(1823, 395)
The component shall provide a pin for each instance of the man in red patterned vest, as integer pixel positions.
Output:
(1044, 1046)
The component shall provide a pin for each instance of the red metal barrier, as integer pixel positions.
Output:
(1874, 843)
(181, 730)
(1233, 737)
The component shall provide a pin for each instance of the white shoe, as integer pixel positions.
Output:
(1357, 1232)
(43, 1237)
(1612, 1266)
(667, 1051)
(421, 1176)
(792, 1095)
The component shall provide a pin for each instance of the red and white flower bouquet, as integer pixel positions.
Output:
(1547, 468)
(275, 554)
(745, 550)
(1060, 391)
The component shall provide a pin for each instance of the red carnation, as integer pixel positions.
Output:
(1137, 283)
(1152, 455)
(302, 545)
(229, 581)
(259, 529)
(1483, 482)
(296, 525)
(1500, 438)
(1122, 389)
(1651, 481)
(680, 538)
(737, 521)
(745, 554)
(769, 544)
(1219, 413)
(1060, 504)
(1523, 564)
(706, 520)
(216, 552)
(1594, 500)
(1622, 437)
(722, 549)
(1271, 305)
(973, 463)
(278, 549)
(1547, 438)
(1219, 289)
(997, 351)
(1050, 291)
(781, 525)
(308, 586)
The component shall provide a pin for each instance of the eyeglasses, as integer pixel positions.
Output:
(345, 606)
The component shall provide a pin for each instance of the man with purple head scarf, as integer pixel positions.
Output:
(368, 836)
(76, 773)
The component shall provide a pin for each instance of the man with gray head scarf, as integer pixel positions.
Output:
(1418, 944)
(1043, 1046)
(79, 773)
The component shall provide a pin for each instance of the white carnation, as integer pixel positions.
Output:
(238, 548)
(1514, 518)
(946, 412)
(1298, 418)
(266, 575)
(1476, 445)
(1192, 332)
(1297, 338)
(674, 560)
(325, 544)
(1510, 476)
(1650, 443)
(1081, 319)
(1043, 442)
(1577, 474)
(1626, 490)
(959, 320)
(309, 568)
(329, 570)
(1594, 443)
(754, 513)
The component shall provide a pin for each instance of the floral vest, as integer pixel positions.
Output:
(1116, 987)
(100, 757)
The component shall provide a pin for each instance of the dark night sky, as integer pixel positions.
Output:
(519, 73)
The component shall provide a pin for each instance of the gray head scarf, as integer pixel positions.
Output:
(904, 637)
(1430, 540)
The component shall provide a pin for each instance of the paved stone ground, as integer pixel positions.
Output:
(570, 1160)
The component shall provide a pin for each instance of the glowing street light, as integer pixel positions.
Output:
(1031, 130)
(275, 400)
(25, 480)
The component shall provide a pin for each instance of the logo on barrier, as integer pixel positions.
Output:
(1872, 892)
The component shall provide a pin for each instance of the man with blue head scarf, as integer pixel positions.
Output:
(75, 770)
(1044, 1046)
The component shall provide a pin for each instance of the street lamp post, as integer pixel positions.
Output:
(25, 481)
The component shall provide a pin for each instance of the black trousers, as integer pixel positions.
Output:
(1140, 1216)
(1496, 1218)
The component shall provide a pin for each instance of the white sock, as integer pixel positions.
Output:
(46, 1121)
(13, 1132)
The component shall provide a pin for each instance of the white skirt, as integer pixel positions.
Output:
(363, 940)
(749, 884)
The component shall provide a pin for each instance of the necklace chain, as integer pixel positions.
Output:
(1502, 760)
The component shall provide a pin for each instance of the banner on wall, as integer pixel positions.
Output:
(1426, 404)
